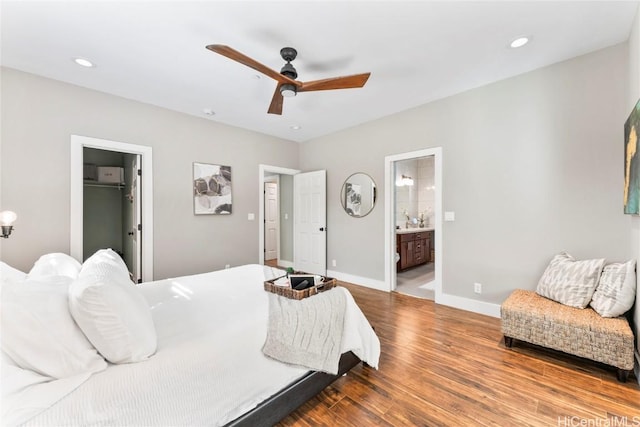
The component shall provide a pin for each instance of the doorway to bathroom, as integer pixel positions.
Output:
(414, 213)
(413, 223)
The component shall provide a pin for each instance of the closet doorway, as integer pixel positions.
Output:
(112, 202)
(111, 206)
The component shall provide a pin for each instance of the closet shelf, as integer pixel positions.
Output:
(103, 184)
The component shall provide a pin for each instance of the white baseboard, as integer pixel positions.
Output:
(454, 301)
(358, 280)
(468, 304)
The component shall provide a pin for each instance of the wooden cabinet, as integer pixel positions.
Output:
(414, 249)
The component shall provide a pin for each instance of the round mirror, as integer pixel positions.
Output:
(358, 195)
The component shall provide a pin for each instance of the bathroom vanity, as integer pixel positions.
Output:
(414, 245)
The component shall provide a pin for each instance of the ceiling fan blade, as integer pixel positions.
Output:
(346, 82)
(249, 62)
(276, 102)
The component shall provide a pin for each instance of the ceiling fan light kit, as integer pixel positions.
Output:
(288, 86)
(288, 91)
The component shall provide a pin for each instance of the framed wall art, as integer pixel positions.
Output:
(211, 189)
(632, 163)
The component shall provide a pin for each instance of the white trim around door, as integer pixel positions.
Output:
(76, 207)
(389, 216)
(261, 171)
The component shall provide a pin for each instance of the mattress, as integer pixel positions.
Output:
(208, 369)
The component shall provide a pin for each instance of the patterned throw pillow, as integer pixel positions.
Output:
(570, 282)
(616, 291)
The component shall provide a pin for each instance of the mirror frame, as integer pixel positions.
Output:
(343, 200)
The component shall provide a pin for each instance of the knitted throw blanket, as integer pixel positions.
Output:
(307, 332)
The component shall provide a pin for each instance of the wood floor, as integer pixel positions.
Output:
(443, 366)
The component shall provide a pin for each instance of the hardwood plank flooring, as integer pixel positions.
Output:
(441, 366)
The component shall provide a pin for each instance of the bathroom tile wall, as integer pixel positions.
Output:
(418, 197)
(426, 187)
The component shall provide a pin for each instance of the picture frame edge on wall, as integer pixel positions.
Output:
(211, 189)
(631, 190)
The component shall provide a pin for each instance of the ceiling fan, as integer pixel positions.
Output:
(287, 84)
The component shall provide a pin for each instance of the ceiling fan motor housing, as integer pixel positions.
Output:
(289, 71)
(289, 54)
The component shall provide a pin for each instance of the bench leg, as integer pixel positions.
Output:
(508, 341)
(622, 375)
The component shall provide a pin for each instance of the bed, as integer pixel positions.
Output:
(208, 368)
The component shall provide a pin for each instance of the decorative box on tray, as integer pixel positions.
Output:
(287, 291)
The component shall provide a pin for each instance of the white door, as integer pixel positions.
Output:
(271, 221)
(136, 241)
(310, 222)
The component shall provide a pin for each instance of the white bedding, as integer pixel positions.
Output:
(208, 369)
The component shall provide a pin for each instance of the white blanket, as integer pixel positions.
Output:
(308, 332)
(209, 368)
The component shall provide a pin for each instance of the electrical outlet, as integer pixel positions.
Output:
(333, 263)
(227, 266)
(477, 288)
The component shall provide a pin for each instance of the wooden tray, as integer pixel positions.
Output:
(290, 293)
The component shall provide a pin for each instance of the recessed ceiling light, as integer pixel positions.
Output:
(209, 112)
(84, 62)
(519, 42)
(295, 127)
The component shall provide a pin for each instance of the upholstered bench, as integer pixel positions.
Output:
(530, 317)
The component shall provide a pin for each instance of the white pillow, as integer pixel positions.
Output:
(55, 264)
(38, 332)
(616, 291)
(10, 274)
(570, 282)
(112, 312)
(106, 263)
(14, 378)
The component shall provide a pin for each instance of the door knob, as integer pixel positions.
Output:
(130, 233)
(321, 228)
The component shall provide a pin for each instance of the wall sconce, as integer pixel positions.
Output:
(7, 218)
(405, 180)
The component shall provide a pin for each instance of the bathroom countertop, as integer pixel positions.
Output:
(413, 230)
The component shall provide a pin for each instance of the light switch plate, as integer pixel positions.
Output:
(251, 217)
(450, 216)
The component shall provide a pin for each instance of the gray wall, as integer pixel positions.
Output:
(38, 117)
(532, 166)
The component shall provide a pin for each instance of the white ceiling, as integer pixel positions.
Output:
(419, 51)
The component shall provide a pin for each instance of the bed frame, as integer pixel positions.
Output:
(287, 400)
